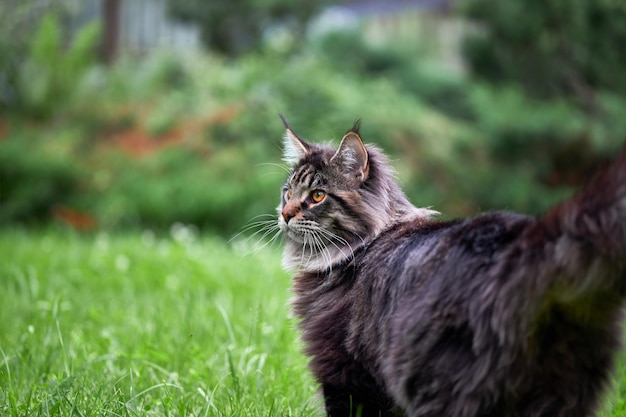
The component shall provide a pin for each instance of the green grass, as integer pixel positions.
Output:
(136, 325)
(143, 325)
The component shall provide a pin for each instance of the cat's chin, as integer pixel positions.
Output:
(298, 257)
(294, 238)
(307, 265)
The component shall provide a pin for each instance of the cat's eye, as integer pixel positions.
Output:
(288, 194)
(318, 196)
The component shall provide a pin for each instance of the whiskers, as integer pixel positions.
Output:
(321, 248)
(310, 246)
(284, 169)
(317, 251)
(265, 232)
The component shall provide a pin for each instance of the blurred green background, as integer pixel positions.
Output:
(144, 114)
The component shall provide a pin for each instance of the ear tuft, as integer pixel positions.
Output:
(294, 148)
(352, 158)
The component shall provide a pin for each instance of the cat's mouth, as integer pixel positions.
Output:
(292, 230)
(295, 235)
(302, 235)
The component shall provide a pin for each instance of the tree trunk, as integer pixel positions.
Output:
(111, 28)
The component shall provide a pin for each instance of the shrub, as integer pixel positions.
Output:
(35, 179)
(47, 77)
(211, 136)
(218, 192)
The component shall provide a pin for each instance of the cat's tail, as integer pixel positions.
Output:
(569, 263)
(576, 253)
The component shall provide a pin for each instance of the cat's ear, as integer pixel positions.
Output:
(351, 157)
(294, 148)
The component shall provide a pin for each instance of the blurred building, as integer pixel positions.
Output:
(140, 26)
(432, 25)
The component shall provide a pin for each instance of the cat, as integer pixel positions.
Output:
(403, 314)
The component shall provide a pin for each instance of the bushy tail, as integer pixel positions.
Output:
(586, 235)
(574, 256)
(551, 297)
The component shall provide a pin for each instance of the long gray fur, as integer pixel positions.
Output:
(497, 315)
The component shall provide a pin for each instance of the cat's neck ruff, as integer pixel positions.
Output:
(298, 258)
(336, 201)
(303, 257)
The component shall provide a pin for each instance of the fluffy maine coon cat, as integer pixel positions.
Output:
(402, 314)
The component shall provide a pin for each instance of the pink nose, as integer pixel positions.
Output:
(290, 211)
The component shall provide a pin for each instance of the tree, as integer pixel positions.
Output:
(560, 48)
(42, 54)
(237, 26)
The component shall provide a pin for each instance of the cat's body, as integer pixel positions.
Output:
(498, 315)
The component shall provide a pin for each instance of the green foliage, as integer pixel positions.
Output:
(146, 324)
(350, 53)
(552, 86)
(196, 140)
(17, 22)
(556, 48)
(180, 185)
(34, 179)
(41, 62)
(236, 27)
(48, 77)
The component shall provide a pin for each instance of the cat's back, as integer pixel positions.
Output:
(432, 252)
(449, 308)
(421, 282)
(425, 267)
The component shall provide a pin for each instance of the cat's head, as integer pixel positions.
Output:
(336, 200)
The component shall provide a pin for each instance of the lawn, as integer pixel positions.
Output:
(142, 324)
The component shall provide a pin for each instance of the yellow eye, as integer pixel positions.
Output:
(318, 196)
(288, 194)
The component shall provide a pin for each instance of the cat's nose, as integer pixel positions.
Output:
(289, 212)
